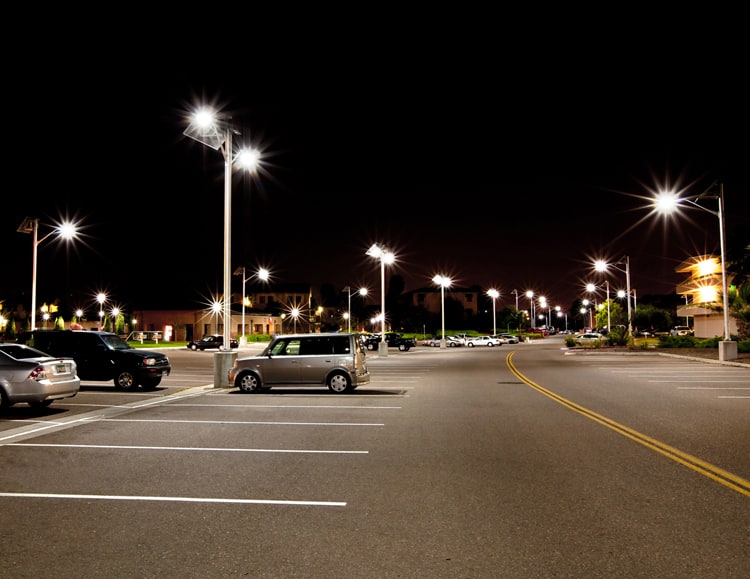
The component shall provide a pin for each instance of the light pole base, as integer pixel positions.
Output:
(442, 342)
(382, 348)
(223, 361)
(243, 340)
(728, 350)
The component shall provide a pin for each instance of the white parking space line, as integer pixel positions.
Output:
(192, 448)
(175, 499)
(245, 422)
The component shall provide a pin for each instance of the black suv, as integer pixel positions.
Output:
(393, 340)
(102, 356)
(211, 342)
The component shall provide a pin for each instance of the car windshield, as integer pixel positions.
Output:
(116, 343)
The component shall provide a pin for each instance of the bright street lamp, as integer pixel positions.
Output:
(530, 295)
(361, 291)
(443, 282)
(65, 230)
(101, 298)
(385, 257)
(494, 294)
(667, 202)
(205, 128)
(262, 274)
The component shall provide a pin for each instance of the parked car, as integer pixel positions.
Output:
(589, 338)
(393, 339)
(450, 341)
(681, 331)
(211, 342)
(509, 339)
(102, 356)
(490, 341)
(34, 377)
(335, 360)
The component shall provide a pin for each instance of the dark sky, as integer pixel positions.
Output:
(513, 179)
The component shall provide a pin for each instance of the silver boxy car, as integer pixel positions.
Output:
(335, 360)
(32, 376)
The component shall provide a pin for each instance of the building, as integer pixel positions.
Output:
(702, 289)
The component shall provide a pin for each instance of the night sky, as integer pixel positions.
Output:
(517, 181)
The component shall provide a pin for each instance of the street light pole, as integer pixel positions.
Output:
(666, 202)
(384, 256)
(494, 294)
(363, 292)
(31, 225)
(263, 274)
(530, 295)
(218, 135)
(443, 282)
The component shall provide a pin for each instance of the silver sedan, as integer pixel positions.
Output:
(32, 376)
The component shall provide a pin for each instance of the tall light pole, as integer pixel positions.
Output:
(494, 294)
(515, 292)
(101, 298)
(206, 129)
(443, 282)
(361, 291)
(263, 274)
(667, 202)
(65, 230)
(385, 257)
(602, 266)
(530, 295)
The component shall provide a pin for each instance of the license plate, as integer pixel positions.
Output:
(61, 368)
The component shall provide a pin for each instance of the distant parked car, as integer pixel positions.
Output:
(509, 339)
(681, 331)
(489, 341)
(34, 377)
(589, 338)
(450, 341)
(211, 342)
(393, 339)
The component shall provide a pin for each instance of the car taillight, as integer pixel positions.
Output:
(38, 373)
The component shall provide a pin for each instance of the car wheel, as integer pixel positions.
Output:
(402, 348)
(248, 382)
(371, 346)
(221, 348)
(339, 383)
(4, 401)
(151, 384)
(125, 381)
(470, 344)
(490, 344)
(193, 347)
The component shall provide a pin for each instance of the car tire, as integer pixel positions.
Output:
(125, 380)
(151, 384)
(193, 347)
(248, 382)
(339, 383)
(470, 344)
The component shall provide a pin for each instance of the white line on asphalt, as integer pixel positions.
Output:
(175, 499)
(198, 448)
